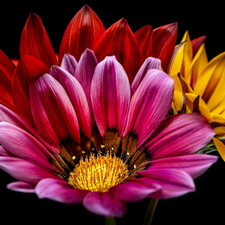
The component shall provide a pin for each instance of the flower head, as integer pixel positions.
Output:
(96, 131)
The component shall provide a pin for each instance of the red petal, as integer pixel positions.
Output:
(83, 32)
(119, 40)
(35, 41)
(6, 69)
(6, 72)
(27, 69)
(196, 43)
(144, 40)
(164, 41)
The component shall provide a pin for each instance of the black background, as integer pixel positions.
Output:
(206, 205)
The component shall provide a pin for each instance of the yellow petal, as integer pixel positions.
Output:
(178, 93)
(197, 65)
(180, 88)
(175, 64)
(220, 147)
(187, 58)
(219, 130)
(216, 118)
(206, 77)
(202, 107)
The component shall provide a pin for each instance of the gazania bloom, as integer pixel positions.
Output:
(202, 84)
(96, 131)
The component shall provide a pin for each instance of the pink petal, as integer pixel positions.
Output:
(149, 104)
(104, 204)
(23, 145)
(110, 95)
(4, 152)
(174, 183)
(59, 190)
(180, 135)
(69, 63)
(149, 63)
(21, 187)
(53, 111)
(9, 116)
(134, 190)
(84, 74)
(24, 170)
(194, 165)
(77, 97)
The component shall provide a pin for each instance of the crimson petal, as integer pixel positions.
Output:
(35, 41)
(110, 95)
(144, 37)
(149, 106)
(119, 40)
(164, 41)
(196, 43)
(83, 32)
(27, 69)
(6, 72)
(104, 204)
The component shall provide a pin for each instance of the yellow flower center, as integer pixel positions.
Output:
(98, 172)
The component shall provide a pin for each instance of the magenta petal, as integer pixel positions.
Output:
(23, 145)
(24, 170)
(149, 63)
(134, 190)
(60, 191)
(77, 97)
(149, 104)
(174, 183)
(180, 135)
(104, 204)
(21, 187)
(194, 165)
(50, 103)
(84, 74)
(69, 63)
(9, 116)
(110, 95)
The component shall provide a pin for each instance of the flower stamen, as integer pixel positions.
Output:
(99, 172)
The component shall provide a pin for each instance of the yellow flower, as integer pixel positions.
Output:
(199, 86)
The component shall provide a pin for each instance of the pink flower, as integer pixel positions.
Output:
(96, 131)
(89, 136)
